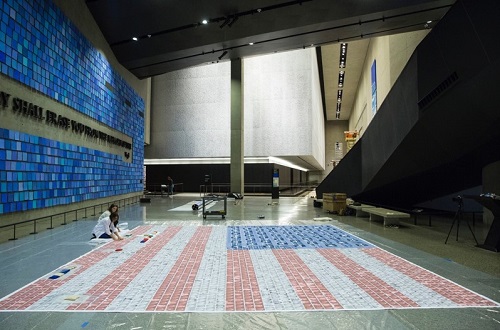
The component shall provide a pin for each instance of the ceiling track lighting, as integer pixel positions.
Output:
(229, 20)
(343, 55)
(232, 19)
(235, 18)
(226, 22)
(341, 78)
(222, 55)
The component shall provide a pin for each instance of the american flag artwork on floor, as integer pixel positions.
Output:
(239, 268)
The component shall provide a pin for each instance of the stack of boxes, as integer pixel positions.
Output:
(334, 202)
(350, 138)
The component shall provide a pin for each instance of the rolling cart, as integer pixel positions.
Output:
(214, 199)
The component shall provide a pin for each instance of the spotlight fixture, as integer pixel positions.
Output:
(339, 95)
(135, 38)
(222, 55)
(226, 22)
(250, 43)
(341, 79)
(204, 21)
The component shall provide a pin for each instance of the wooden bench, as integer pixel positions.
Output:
(359, 210)
(390, 217)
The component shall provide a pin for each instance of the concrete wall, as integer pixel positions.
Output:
(191, 116)
(401, 47)
(282, 109)
(334, 133)
(391, 54)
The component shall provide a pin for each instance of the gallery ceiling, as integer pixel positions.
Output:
(152, 37)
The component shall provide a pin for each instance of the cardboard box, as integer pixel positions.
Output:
(331, 197)
(335, 206)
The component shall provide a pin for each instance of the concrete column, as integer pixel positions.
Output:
(237, 128)
(491, 184)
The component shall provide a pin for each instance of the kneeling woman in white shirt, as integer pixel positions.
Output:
(106, 228)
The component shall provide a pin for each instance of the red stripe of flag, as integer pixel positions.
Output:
(32, 293)
(309, 288)
(242, 289)
(103, 293)
(173, 293)
(383, 293)
(447, 289)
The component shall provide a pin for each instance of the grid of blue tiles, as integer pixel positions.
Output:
(36, 172)
(42, 49)
(290, 237)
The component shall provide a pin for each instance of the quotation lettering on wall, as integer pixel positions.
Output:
(39, 114)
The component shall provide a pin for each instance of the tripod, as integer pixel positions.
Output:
(458, 217)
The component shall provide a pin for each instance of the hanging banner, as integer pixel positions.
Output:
(374, 86)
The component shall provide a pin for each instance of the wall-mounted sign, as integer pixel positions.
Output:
(275, 191)
(23, 109)
(339, 152)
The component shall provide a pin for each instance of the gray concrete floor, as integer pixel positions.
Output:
(32, 256)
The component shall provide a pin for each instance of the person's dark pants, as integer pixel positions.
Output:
(102, 236)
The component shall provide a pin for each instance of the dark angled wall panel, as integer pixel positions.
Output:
(395, 118)
(485, 27)
(439, 125)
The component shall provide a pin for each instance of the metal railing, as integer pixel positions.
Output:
(156, 188)
(125, 201)
(255, 188)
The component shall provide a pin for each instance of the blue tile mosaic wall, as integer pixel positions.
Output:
(42, 49)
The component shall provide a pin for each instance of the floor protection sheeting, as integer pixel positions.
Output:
(239, 268)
